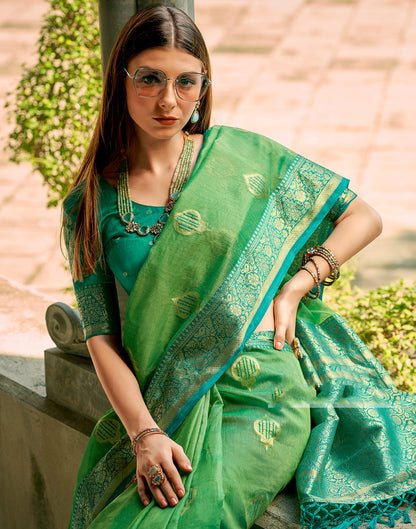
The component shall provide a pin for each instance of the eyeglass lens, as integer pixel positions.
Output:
(190, 86)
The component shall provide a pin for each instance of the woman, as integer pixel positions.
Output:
(205, 232)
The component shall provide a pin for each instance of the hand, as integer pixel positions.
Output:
(160, 450)
(284, 310)
(285, 307)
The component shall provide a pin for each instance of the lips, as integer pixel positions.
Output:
(166, 120)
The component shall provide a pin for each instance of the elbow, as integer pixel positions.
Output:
(371, 220)
(377, 222)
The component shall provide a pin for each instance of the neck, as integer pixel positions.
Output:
(154, 155)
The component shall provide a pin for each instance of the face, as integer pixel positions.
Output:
(162, 116)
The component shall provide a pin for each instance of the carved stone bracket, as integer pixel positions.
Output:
(64, 327)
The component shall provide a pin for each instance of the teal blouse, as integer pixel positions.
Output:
(124, 255)
(125, 252)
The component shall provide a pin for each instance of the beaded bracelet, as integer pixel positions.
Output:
(317, 283)
(325, 253)
(318, 272)
(143, 433)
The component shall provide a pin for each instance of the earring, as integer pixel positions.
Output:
(195, 115)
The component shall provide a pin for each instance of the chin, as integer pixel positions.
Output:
(166, 133)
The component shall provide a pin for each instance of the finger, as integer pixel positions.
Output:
(175, 481)
(180, 458)
(279, 338)
(141, 487)
(290, 334)
(158, 495)
(279, 330)
(168, 491)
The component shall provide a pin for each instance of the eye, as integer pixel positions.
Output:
(149, 78)
(186, 81)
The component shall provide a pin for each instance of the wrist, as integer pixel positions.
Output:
(140, 426)
(299, 285)
(144, 433)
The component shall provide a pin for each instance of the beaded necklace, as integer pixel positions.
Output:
(179, 179)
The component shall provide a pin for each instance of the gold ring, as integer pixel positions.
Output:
(296, 348)
(156, 475)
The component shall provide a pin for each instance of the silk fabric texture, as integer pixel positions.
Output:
(237, 232)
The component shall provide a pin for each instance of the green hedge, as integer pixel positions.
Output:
(56, 101)
(384, 319)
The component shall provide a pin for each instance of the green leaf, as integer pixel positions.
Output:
(61, 89)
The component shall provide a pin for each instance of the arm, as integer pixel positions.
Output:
(122, 389)
(98, 305)
(353, 230)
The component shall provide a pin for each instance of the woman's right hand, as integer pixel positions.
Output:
(159, 450)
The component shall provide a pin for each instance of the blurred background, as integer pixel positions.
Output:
(334, 80)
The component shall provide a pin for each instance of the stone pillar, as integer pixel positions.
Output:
(115, 13)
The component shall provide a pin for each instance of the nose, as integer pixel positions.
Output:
(167, 97)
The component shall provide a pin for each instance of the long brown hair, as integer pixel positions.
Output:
(156, 26)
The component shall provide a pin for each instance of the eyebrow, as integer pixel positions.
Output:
(163, 71)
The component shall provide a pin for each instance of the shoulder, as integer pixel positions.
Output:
(241, 137)
(236, 143)
(110, 173)
(72, 201)
(226, 131)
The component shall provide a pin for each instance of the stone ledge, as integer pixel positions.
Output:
(41, 446)
(71, 381)
(283, 513)
(31, 399)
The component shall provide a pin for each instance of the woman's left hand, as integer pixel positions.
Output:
(285, 307)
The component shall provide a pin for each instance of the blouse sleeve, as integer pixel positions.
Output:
(341, 205)
(96, 294)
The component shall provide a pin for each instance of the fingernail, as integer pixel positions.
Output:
(164, 503)
(278, 345)
(146, 502)
(181, 493)
(173, 501)
(188, 467)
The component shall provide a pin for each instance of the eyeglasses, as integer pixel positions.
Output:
(149, 82)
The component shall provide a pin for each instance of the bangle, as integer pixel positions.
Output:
(143, 433)
(325, 253)
(317, 284)
(318, 272)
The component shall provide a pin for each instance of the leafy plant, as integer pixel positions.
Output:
(56, 101)
(384, 319)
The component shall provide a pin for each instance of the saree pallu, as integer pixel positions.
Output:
(237, 232)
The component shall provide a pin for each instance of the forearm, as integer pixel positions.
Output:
(123, 391)
(119, 384)
(355, 229)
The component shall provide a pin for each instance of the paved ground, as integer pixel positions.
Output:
(333, 79)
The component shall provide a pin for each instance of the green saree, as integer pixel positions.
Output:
(239, 408)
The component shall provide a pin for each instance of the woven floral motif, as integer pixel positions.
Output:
(268, 430)
(245, 369)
